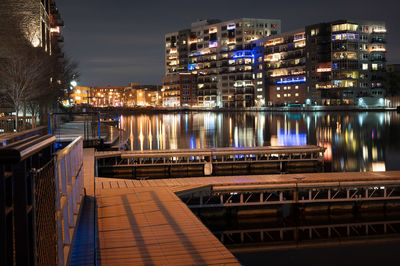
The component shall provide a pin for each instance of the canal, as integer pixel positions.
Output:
(367, 141)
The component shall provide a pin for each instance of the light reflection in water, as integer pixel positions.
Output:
(354, 142)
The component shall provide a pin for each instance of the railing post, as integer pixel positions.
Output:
(98, 125)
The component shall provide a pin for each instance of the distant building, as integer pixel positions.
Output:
(280, 72)
(220, 54)
(146, 94)
(80, 95)
(117, 96)
(336, 63)
(179, 90)
(346, 62)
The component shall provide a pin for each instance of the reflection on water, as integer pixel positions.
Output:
(353, 141)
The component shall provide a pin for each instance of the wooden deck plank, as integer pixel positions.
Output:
(150, 225)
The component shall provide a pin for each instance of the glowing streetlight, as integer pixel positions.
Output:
(74, 83)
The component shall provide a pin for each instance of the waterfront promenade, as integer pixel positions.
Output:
(145, 222)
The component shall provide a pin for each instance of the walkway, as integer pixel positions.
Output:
(83, 248)
(251, 180)
(150, 225)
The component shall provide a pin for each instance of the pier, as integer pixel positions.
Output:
(136, 221)
(203, 162)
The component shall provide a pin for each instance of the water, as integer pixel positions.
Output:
(354, 141)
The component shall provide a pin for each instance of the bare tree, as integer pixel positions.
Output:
(22, 73)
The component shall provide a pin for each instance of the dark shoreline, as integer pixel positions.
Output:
(164, 110)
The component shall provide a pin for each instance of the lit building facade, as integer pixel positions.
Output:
(179, 90)
(280, 74)
(145, 95)
(346, 63)
(38, 19)
(220, 54)
(80, 95)
(115, 96)
(335, 63)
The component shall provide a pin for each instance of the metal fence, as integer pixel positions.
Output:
(69, 190)
(23, 199)
(40, 200)
(45, 209)
(7, 123)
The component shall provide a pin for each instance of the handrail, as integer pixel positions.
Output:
(69, 195)
(61, 154)
(23, 149)
(13, 137)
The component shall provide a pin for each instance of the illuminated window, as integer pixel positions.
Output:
(289, 95)
(296, 94)
(345, 27)
(288, 88)
(278, 95)
(278, 88)
(344, 36)
(374, 66)
(314, 32)
(296, 87)
(365, 66)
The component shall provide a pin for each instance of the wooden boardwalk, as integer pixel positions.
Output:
(143, 222)
(262, 180)
(150, 225)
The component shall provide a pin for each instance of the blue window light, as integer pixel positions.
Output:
(291, 81)
(243, 54)
(192, 66)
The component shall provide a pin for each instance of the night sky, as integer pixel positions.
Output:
(122, 41)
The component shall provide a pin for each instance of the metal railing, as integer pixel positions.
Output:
(40, 198)
(8, 139)
(66, 126)
(296, 193)
(69, 190)
(25, 201)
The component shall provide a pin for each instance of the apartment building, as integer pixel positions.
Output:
(280, 74)
(345, 63)
(220, 54)
(334, 63)
(179, 90)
